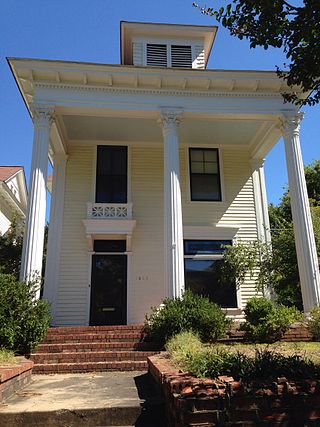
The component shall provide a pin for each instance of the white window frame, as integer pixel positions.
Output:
(94, 168)
(212, 257)
(188, 174)
(168, 43)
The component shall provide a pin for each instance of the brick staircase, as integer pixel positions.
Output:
(91, 349)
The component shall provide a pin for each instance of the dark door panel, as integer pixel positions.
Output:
(108, 290)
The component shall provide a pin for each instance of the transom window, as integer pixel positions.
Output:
(111, 179)
(202, 264)
(204, 174)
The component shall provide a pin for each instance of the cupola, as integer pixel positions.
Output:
(166, 45)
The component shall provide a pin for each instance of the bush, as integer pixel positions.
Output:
(314, 323)
(23, 319)
(266, 321)
(190, 313)
(212, 361)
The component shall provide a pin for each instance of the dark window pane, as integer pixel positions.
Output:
(205, 187)
(202, 278)
(193, 247)
(109, 246)
(111, 180)
(204, 174)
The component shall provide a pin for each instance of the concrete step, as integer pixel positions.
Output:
(93, 346)
(93, 356)
(106, 336)
(122, 365)
(101, 399)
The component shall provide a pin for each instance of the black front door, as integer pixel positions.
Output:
(108, 290)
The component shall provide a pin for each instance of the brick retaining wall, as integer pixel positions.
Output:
(13, 377)
(225, 402)
(296, 332)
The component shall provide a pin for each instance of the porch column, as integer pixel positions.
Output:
(260, 200)
(31, 263)
(55, 230)
(303, 229)
(174, 266)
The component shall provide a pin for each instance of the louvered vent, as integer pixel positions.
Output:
(157, 55)
(181, 56)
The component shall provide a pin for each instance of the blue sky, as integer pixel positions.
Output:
(88, 30)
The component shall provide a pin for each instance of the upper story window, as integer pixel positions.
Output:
(204, 174)
(166, 55)
(112, 175)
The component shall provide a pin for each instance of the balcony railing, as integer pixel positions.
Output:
(109, 210)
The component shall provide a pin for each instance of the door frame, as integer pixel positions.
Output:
(129, 264)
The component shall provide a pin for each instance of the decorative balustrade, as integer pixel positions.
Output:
(109, 210)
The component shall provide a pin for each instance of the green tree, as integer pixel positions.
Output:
(276, 267)
(280, 24)
(11, 249)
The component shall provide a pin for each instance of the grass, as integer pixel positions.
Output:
(245, 361)
(310, 350)
(6, 357)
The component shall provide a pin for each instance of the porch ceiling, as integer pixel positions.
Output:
(195, 131)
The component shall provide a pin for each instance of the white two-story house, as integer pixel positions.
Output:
(13, 198)
(157, 164)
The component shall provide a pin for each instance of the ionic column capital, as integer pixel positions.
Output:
(170, 117)
(42, 115)
(290, 124)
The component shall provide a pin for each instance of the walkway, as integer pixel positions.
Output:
(91, 399)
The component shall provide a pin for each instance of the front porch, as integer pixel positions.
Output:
(165, 119)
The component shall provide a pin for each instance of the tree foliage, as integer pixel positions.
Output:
(280, 24)
(11, 249)
(275, 266)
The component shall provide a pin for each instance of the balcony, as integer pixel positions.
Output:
(109, 221)
(109, 210)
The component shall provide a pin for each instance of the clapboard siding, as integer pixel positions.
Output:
(237, 207)
(199, 57)
(72, 299)
(147, 279)
(146, 274)
(137, 53)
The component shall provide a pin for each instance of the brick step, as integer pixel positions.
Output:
(93, 346)
(84, 329)
(107, 336)
(97, 356)
(123, 365)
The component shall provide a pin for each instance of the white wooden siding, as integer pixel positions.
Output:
(146, 283)
(199, 57)
(6, 216)
(74, 261)
(237, 208)
(137, 53)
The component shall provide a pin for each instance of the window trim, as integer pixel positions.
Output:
(168, 43)
(209, 257)
(221, 187)
(94, 168)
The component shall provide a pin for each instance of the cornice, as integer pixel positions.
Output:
(153, 91)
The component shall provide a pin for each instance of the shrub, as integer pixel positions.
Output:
(190, 313)
(23, 319)
(212, 361)
(314, 323)
(267, 321)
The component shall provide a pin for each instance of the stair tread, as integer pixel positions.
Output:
(131, 352)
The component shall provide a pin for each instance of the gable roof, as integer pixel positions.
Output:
(7, 172)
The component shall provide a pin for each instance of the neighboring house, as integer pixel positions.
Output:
(157, 163)
(13, 197)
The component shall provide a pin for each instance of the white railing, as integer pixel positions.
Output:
(109, 210)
